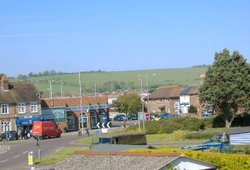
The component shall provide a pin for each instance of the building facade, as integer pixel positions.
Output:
(165, 100)
(75, 113)
(20, 105)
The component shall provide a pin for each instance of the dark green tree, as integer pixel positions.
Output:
(129, 103)
(192, 109)
(227, 85)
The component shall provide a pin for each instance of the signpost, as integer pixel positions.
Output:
(38, 147)
(30, 158)
(141, 117)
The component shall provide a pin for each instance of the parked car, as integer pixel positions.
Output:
(154, 116)
(206, 115)
(43, 129)
(167, 115)
(120, 118)
(132, 117)
(11, 135)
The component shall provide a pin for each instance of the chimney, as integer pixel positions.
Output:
(4, 82)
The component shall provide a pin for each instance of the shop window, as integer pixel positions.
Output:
(83, 120)
(5, 108)
(6, 126)
(33, 107)
(21, 108)
(93, 119)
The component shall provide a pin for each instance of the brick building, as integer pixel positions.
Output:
(189, 96)
(165, 100)
(20, 105)
(75, 112)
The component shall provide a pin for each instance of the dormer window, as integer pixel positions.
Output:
(4, 108)
(21, 108)
(33, 107)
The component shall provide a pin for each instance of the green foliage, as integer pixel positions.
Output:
(60, 155)
(180, 134)
(174, 124)
(240, 120)
(105, 81)
(226, 85)
(192, 109)
(222, 161)
(128, 103)
(200, 135)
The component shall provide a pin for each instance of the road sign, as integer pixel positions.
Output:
(108, 124)
(98, 125)
(141, 116)
(30, 158)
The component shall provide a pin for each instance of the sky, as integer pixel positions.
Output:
(119, 35)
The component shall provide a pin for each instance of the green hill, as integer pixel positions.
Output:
(113, 81)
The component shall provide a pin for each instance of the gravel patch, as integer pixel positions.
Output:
(113, 162)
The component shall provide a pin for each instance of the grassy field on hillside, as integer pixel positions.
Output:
(97, 80)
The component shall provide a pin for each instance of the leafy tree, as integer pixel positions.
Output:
(128, 103)
(226, 85)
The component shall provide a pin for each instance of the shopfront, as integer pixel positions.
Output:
(25, 123)
(72, 115)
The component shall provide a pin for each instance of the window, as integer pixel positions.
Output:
(21, 108)
(33, 107)
(5, 109)
(6, 126)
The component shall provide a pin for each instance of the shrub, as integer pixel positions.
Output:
(223, 161)
(180, 134)
(192, 109)
(200, 135)
(240, 120)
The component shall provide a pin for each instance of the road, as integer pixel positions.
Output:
(16, 158)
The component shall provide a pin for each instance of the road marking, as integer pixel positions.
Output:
(25, 152)
(16, 156)
(4, 161)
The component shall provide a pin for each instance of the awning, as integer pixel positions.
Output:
(27, 120)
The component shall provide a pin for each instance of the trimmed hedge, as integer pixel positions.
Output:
(174, 124)
(223, 161)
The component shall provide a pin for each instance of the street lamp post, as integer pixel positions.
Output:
(62, 90)
(50, 88)
(80, 91)
(146, 76)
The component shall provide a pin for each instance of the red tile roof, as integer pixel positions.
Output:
(73, 101)
(166, 92)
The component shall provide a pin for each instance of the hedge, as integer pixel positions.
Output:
(223, 161)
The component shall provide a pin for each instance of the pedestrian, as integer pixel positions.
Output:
(19, 134)
(224, 138)
(28, 135)
(124, 123)
(87, 131)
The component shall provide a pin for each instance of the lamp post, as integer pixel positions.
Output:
(50, 88)
(62, 89)
(146, 77)
(80, 91)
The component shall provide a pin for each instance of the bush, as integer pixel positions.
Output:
(180, 134)
(174, 124)
(200, 135)
(240, 120)
(192, 109)
(223, 161)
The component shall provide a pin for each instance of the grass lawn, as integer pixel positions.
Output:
(59, 155)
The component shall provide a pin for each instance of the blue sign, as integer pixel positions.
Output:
(27, 120)
(57, 115)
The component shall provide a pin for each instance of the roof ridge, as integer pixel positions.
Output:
(129, 154)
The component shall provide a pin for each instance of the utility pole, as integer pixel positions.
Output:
(80, 91)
